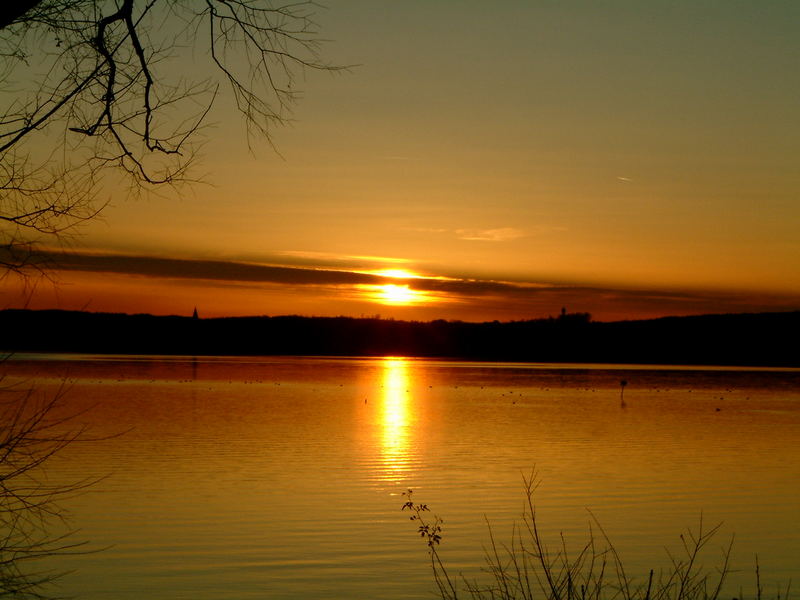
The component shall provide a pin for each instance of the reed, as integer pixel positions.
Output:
(525, 568)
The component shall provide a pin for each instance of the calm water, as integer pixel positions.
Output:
(282, 477)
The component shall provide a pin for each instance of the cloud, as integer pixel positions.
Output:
(238, 272)
(517, 298)
(329, 259)
(246, 272)
(499, 234)
(212, 270)
(428, 229)
(502, 234)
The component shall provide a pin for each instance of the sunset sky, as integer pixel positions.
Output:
(485, 161)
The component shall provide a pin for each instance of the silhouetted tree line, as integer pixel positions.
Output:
(742, 339)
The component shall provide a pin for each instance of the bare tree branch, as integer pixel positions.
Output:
(89, 86)
(33, 429)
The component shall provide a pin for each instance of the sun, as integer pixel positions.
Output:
(398, 294)
(396, 273)
(398, 289)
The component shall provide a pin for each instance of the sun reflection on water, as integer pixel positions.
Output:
(396, 426)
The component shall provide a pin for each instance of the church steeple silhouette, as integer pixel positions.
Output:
(194, 314)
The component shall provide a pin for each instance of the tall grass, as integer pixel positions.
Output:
(526, 567)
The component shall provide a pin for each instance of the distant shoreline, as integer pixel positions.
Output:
(759, 340)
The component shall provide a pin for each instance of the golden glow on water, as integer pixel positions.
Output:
(395, 422)
(292, 446)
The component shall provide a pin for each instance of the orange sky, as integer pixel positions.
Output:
(627, 159)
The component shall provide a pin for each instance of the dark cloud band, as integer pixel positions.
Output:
(476, 291)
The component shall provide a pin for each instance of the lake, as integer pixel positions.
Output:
(283, 477)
